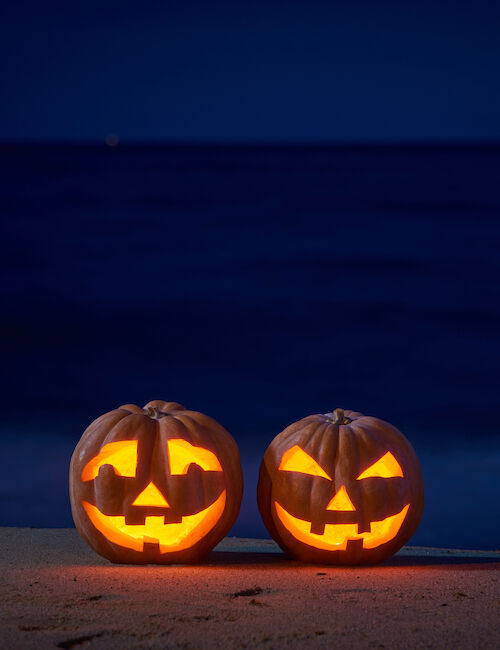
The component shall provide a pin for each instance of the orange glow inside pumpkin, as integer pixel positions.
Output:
(385, 467)
(151, 496)
(296, 459)
(341, 501)
(181, 454)
(336, 536)
(169, 537)
(122, 456)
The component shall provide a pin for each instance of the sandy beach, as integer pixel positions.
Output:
(56, 593)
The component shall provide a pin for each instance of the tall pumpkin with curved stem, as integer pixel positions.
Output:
(159, 484)
(340, 488)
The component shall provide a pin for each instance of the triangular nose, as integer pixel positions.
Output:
(151, 496)
(341, 501)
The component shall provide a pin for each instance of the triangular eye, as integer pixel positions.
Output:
(295, 459)
(181, 454)
(385, 467)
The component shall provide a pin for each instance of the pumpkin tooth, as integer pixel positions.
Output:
(135, 519)
(317, 527)
(151, 544)
(170, 518)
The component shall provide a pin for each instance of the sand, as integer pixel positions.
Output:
(56, 593)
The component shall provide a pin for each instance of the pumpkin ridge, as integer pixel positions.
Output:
(335, 459)
(163, 406)
(318, 435)
(294, 427)
(109, 435)
(165, 425)
(360, 439)
(130, 408)
(202, 423)
(317, 440)
(97, 424)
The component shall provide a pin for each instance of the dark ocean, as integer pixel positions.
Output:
(258, 284)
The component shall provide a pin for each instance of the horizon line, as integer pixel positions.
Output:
(249, 143)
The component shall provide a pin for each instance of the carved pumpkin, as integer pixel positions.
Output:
(340, 488)
(155, 485)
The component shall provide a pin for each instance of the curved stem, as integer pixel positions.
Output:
(154, 412)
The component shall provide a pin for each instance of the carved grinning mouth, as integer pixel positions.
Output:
(139, 519)
(336, 536)
(169, 536)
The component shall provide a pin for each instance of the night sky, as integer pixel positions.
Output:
(290, 70)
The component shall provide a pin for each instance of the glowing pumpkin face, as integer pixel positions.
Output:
(159, 484)
(340, 488)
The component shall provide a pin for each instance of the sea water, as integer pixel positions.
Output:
(258, 284)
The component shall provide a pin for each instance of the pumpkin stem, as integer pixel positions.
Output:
(154, 412)
(338, 417)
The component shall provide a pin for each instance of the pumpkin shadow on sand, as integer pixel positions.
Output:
(243, 559)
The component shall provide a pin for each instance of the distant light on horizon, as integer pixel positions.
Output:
(112, 139)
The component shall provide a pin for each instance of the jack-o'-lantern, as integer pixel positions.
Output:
(155, 485)
(340, 488)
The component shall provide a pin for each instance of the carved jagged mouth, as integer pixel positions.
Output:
(168, 536)
(136, 519)
(336, 536)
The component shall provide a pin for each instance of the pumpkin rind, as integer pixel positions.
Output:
(183, 495)
(343, 451)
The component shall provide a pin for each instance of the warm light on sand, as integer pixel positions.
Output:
(336, 536)
(170, 537)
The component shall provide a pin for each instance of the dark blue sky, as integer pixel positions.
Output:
(290, 70)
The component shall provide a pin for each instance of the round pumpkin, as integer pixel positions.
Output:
(160, 484)
(340, 488)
